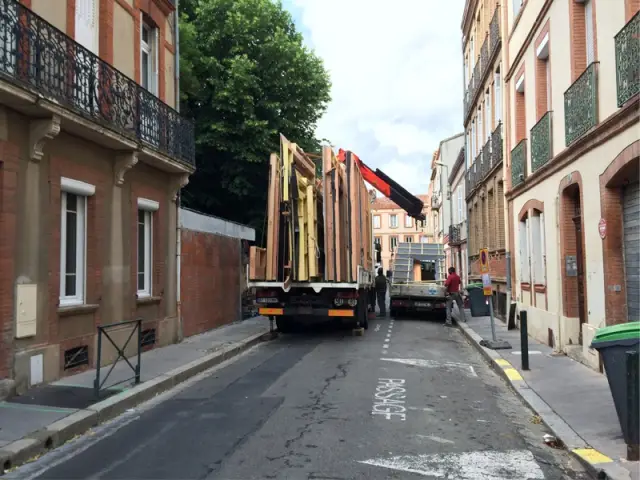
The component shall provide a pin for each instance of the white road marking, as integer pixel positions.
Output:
(377, 329)
(389, 399)
(437, 439)
(486, 465)
(418, 362)
(385, 346)
(388, 335)
(422, 409)
(386, 340)
(531, 352)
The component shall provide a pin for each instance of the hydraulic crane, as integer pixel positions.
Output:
(389, 188)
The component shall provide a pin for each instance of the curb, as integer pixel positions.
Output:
(56, 434)
(599, 467)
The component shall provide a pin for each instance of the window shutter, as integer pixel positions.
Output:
(588, 21)
(86, 24)
(498, 94)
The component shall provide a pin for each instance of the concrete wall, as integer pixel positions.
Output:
(212, 275)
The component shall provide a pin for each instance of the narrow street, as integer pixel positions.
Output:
(409, 399)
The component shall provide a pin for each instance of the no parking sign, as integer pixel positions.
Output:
(484, 260)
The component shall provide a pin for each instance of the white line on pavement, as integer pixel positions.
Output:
(484, 465)
(418, 362)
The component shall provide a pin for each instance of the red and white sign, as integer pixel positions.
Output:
(602, 228)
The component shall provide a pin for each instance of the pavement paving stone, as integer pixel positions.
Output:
(49, 404)
(579, 396)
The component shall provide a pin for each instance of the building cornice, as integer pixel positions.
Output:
(469, 8)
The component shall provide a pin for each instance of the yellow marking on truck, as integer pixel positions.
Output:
(271, 311)
(592, 456)
(341, 313)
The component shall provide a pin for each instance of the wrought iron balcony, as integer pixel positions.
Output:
(494, 32)
(484, 55)
(486, 159)
(436, 201)
(37, 56)
(581, 104)
(628, 60)
(470, 180)
(519, 163)
(496, 146)
(541, 142)
(454, 235)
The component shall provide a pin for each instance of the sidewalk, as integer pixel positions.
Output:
(574, 401)
(48, 416)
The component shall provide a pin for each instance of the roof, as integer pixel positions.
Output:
(384, 203)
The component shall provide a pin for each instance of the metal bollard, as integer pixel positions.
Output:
(524, 340)
(633, 406)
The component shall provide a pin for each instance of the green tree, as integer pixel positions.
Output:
(245, 76)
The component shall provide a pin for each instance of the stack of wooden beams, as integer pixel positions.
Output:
(318, 229)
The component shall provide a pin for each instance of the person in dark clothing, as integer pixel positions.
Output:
(381, 292)
(452, 284)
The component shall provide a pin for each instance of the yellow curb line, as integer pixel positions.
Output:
(509, 371)
(592, 456)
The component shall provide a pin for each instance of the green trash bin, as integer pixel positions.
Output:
(613, 343)
(477, 301)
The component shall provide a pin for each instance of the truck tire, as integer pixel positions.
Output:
(284, 324)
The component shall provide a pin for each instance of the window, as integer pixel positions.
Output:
(588, 24)
(408, 239)
(460, 204)
(424, 239)
(537, 248)
(488, 118)
(523, 232)
(517, 5)
(408, 221)
(145, 245)
(377, 240)
(473, 140)
(497, 111)
(393, 221)
(376, 221)
(73, 238)
(393, 243)
(149, 57)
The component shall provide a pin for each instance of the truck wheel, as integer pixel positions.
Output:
(284, 324)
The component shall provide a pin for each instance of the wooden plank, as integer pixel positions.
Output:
(328, 209)
(312, 232)
(272, 216)
(257, 263)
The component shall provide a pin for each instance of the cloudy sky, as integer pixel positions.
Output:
(396, 70)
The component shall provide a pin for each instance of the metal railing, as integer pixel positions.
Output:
(519, 163)
(103, 331)
(486, 159)
(36, 55)
(627, 44)
(581, 104)
(496, 146)
(541, 142)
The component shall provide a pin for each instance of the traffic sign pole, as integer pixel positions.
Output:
(494, 343)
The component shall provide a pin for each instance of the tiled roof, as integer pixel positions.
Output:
(383, 203)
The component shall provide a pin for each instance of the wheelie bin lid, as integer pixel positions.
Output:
(473, 285)
(627, 333)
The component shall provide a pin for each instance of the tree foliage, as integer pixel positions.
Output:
(245, 77)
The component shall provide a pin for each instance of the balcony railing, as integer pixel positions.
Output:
(457, 233)
(436, 202)
(628, 60)
(519, 163)
(482, 66)
(581, 104)
(496, 146)
(486, 159)
(541, 142)
(36, 55)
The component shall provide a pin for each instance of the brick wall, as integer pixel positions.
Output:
(8, 209)
(212, 271)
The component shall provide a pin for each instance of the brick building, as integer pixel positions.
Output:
(392, 225)
(92, 157)
(572, 97)
(484, 60)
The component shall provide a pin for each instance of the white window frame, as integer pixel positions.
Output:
(393, 220)
(525, 270)
(147, 207)
(377, 223)
(588, 31)
(408, 221)
(151, 50)
(461, 208)
(537, 248)
(498, 96)
(82, 190)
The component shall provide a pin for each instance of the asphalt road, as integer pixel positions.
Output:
(408, 400)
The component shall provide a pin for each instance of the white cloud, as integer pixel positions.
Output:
(396, 70)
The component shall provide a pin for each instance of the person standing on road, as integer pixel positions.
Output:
(452, 284)
(381, 292)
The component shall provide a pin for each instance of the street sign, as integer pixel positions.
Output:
(484, 260)
(486, 285)
(602, 228)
